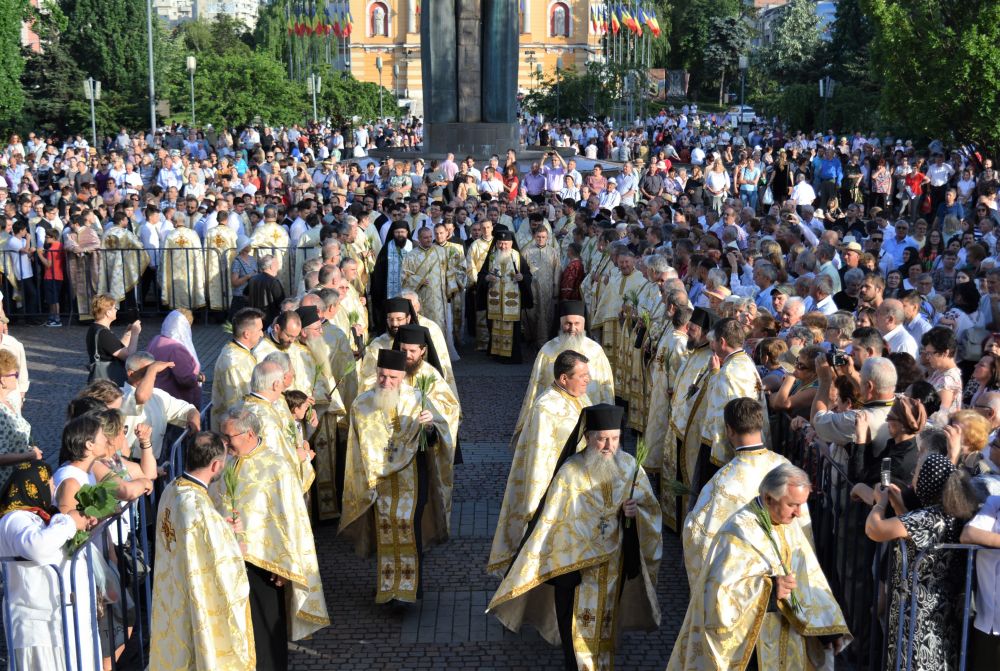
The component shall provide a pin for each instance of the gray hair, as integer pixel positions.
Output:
(281, 359)
(826, 251)
(843, 322)
(881, 373)
(677, 298)
(268, 261)
(803, 333)
(330, 297)
(657, 264)
(312, 265)
(243, 420)
(769, 271)
(331, 248)
(411, 296)
(991, 399)
(796, 302)
(824, 283)
(265, 375)
(854, 275)
(776, 483)
(138, 360)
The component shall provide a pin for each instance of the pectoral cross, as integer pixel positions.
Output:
(390, 451)
(603, 526)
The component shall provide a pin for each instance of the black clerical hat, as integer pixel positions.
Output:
(309, 315)
(399, 225)
(703, 318)
(503, 235)
(415, 334)
(398, 304)
(602, 417)
(572, 308)
(391, 359)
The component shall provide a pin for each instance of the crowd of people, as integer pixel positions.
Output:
(665, 300)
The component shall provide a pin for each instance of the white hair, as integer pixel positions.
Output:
(776, 483)
(265, 375)
(881, 373)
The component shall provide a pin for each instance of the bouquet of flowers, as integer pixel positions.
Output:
(424, 384)
(764, 520)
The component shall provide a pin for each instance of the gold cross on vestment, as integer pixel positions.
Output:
(168, 530)
(390, 451)
(276, 238)
(603, 526)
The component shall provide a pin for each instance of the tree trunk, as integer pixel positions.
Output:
(722, 85)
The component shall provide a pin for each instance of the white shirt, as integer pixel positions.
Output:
(988, 569)
(803, 194)
(150, 238)
(826, 306)
(22, 267)
(918, 327)
(159, 411)
(899, 340)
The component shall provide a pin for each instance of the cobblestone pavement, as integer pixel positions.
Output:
(448, 629)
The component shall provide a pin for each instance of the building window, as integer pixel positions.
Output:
(559, 19)
(378, 20)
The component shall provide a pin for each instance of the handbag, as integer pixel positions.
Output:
(98, 369)
(768, 197)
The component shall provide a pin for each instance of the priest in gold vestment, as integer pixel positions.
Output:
(475, 257)
(572, 335)
(547, 426)
(621, 282)
(234, 365)
(201, 597)
(125, 260)
(543, 260)
(182, 269)
(270, 237)
(397, 482)
(398, 311)
(286, 592)
(588, 564)
(734, 485)
(427, 272)
(745, 612)
(504, 289)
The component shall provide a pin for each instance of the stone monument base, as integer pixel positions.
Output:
(480, 140)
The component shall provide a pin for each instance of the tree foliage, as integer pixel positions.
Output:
(729, 37)
(12, 12)
(792, 56)
(939, 65)
(343, 97)
(692, 29)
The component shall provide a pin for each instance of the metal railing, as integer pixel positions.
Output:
(856, 567)
(95, 620)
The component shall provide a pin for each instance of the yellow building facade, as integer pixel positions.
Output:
(390, 30)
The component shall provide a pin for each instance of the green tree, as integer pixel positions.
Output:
(939, 66)
(108, 39)
(236, 87)
(220, 36)
(693, 20)
(342, 97)
(52, 80)
(270, 35)
(792, 56)
(12, 12)
(848, 50)
(729, 37)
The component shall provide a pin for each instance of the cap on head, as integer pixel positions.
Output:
(602, 417)
(391, 359)
(571, 309)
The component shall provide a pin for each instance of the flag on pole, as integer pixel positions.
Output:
(593, 19)
(653, 24)
(627, 20)
(615, 22)
(604, 19)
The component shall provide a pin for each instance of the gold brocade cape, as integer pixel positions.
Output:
(730, 489)
(736, 378)
(201, 605)
(427, 272)
(579, 529)
(669, 354)
(441, 348)
(551, 420)
(371, 462)
(279, 432)
(220, 251)
(600, 390)
(182, 270)
(125, 260)
(727, 616)
(230, 379)
(272, 238)
(277, 533)
(687, 410)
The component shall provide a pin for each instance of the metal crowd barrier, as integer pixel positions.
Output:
(856, 566)
(120, 543)
(175, 455)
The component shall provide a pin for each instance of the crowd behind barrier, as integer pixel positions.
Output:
(856, 566)
(100, 596)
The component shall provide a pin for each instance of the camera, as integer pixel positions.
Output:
(835, 357)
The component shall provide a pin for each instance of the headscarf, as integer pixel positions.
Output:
(935, 470)
(176, 327)
(910, 413)
(28, 489)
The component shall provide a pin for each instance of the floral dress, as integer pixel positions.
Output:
(951, 380)
(939, 593)
(15, 437)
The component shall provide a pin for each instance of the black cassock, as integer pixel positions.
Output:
(527, 302)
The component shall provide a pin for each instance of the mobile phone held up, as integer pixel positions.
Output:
(886, 475)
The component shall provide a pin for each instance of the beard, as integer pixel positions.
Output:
(386, 400)
(600, 467)
(412, 368)
(400, 242)
(573, 342)
(504, 256)
(392, 330)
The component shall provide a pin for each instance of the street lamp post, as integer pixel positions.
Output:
(192, 63)
(313, 85)
(538, 75)
(92, 91)
(559, 66)
(152, 74)
(395, 87)
(378, 66)
(744, 64)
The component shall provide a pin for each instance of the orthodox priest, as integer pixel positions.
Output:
(588, 564)
(387, 275)
(427, 272)
(201, 597)
(475, 257)
(422, 362)
(234, 365)
(687, 411)
(398, 480)
(736, 376)
(398, 311)
(553, 415)
(286, 593)
(572, 336)
(182, 269)
(733, 486)
(745, 612)
(543, 260)
(504, 289)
